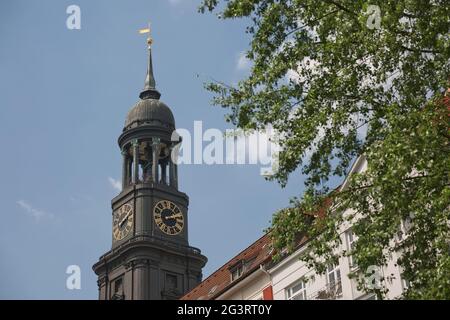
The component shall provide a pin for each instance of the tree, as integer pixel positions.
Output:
(341, 78)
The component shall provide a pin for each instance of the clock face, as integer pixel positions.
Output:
(123, 221)
(168, 217)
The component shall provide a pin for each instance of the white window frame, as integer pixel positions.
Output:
(336, 284)
(405, 283)
(300, 293)
(404, 227)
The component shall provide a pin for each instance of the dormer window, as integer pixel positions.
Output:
(237, 270)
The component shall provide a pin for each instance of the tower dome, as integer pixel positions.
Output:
(151, 112)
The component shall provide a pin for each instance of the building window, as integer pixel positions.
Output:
(404, 228)
(297, 291)
(172, 286)
(237, 272)
(405, 283)
(350, 238)
(334, 279)
(238, 268)
(118, 286)
(118, 289)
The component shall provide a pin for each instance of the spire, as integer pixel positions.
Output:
(149, 91)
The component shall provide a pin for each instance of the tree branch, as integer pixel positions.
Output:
(309, 23)
(371, 185)
(340, 6)
(418, 50)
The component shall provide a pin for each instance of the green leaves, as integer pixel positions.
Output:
(335, 88)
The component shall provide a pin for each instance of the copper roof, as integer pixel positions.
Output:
(150, 111)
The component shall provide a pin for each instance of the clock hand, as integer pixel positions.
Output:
(177, 215)
(124, 219)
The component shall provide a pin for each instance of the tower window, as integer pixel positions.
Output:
(171, 281)
(334, 279)
(118, 289)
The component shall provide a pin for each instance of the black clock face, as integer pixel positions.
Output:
(123, 221)
(168, 217)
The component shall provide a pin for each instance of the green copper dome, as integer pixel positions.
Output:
(150, 112)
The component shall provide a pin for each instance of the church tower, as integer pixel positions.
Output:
(150, 256)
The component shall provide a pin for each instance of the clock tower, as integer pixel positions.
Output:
(150, 256)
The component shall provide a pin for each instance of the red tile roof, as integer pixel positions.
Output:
(256, 254)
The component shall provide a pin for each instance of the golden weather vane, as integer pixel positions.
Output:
(147, 30)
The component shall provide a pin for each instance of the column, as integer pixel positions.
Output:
(124, 169)
(173, 158)
(141, 280)
(155, 148)
(135, 161)
(171, 182)
(129, 171)
(175, 176)
(148, 166)
(128, 281)
(193, 278)
(164, 172)
(172, 174)
(155, 279)
(102, 284)
(144, 173)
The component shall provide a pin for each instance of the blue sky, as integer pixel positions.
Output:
(64, 95)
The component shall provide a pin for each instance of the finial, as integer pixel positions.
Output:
(149, 41)
(149, 38)
(149, 91)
